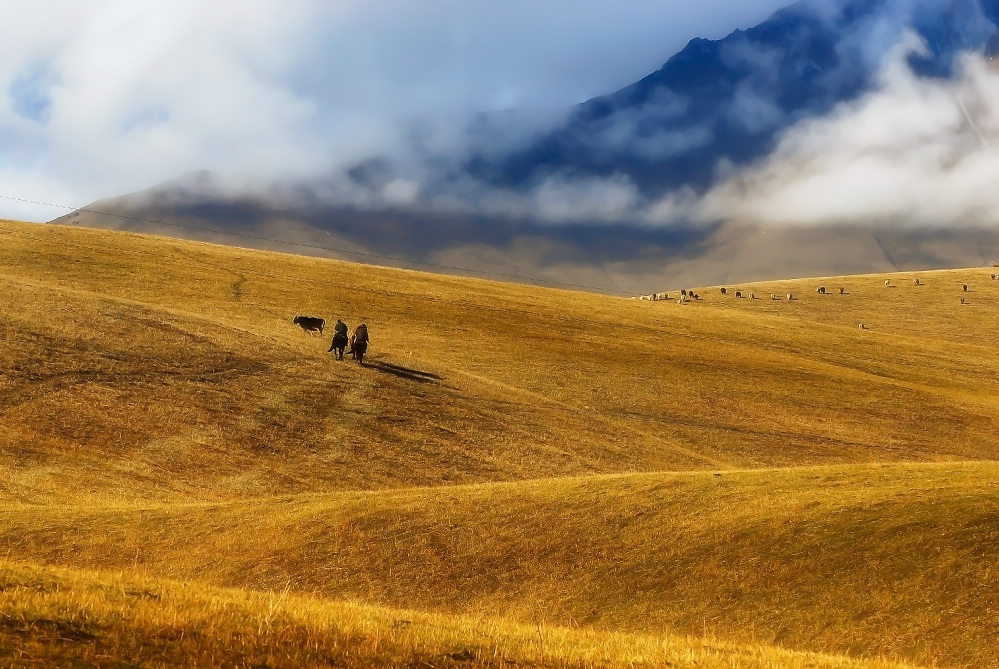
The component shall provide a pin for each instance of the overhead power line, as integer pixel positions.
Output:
(316, 247)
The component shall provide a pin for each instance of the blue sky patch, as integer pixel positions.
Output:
(29, 94)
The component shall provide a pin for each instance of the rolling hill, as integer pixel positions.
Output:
(520, 475)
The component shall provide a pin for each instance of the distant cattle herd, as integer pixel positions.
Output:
(686, 295)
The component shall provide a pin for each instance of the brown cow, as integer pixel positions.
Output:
(310, 324)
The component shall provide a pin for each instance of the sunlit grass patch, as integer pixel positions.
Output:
(58, 616)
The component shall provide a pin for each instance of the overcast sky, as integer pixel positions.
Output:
(103, 97)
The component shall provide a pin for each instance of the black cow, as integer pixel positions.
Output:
(310, 324)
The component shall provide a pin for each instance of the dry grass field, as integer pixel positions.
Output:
(517, 476)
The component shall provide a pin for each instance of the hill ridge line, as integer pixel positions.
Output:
(522, 483)
(603, 418)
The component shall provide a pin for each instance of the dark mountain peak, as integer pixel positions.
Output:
(728, 100)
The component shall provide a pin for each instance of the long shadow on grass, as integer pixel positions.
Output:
(404, 372)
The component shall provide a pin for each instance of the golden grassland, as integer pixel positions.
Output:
(892, 560)
(624, 475)
(78, 617)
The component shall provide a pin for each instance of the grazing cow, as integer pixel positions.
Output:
(724, 291)
(821, 290)
(310, 324)
(993, 277)
(683, 292)
(738, 293)
(773, 296)
(964, 287)
(842, 291)
(964, 301)
(887, 283)
(789, 297)
(863, 327)
(915, 282)
(752, 296)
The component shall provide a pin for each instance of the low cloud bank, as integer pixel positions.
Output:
(915, 151)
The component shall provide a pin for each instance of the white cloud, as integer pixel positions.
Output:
(916, 151)
(584, 199)
(100, 97)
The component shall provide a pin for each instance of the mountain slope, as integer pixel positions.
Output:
(729, 99)
(614, 259)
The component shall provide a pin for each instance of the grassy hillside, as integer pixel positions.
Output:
(175, 366)
(871, 560)
(759, 471)
(62, 617)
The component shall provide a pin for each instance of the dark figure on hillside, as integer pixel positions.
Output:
(339, 342)
(359, 343)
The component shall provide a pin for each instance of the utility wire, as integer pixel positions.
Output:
(365, 254)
